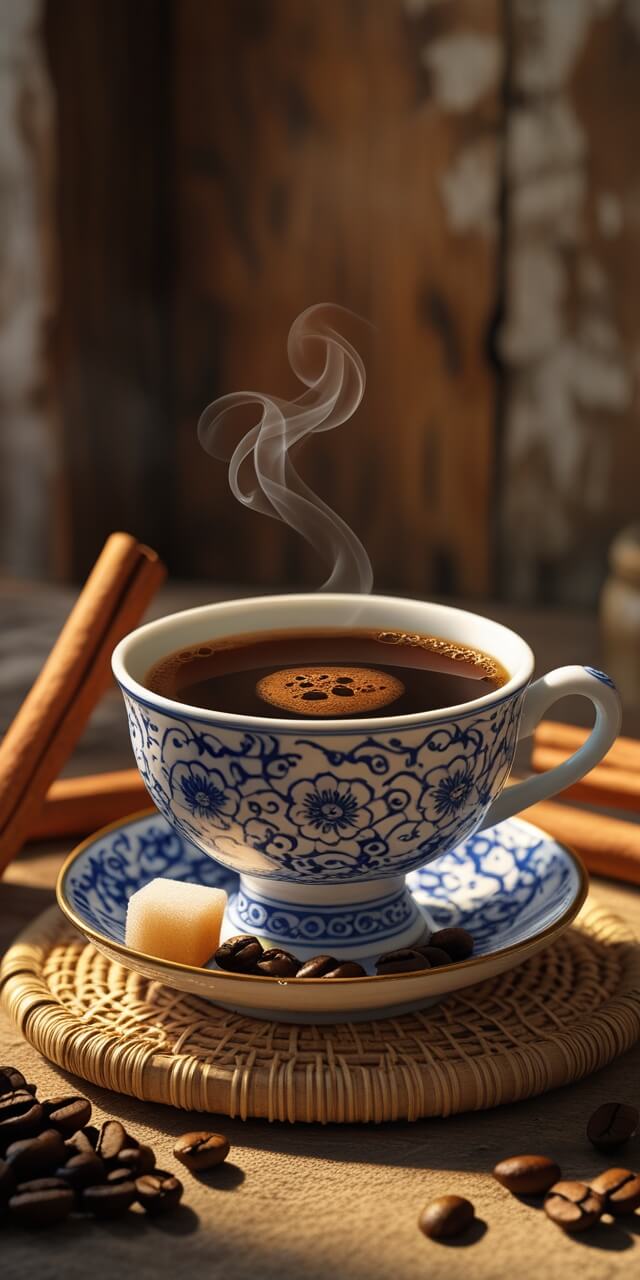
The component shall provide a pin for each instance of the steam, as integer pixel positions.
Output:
(276, 488)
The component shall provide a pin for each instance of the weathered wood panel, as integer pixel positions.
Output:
(346, 152)
(28, 448)
(110, 61)
(571, 458)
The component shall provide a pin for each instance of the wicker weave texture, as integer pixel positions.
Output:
(563, 1014)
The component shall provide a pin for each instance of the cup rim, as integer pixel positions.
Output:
(372, 724)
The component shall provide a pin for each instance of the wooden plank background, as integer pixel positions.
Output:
(462, 175)
(309, 148)
(289, 153)
(571, 335)
(111, 69)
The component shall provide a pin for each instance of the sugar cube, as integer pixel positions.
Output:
(175, 921)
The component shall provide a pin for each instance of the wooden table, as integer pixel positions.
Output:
(307, 1202)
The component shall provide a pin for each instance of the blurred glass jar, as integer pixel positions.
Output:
(620, 614)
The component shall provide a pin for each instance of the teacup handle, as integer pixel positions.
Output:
(541, 695)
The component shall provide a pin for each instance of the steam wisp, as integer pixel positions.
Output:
(277, 489)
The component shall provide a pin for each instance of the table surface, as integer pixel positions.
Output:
(309, 1201)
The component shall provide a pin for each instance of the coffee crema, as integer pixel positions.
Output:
(326, 673)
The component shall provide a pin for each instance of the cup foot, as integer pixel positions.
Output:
(355, 922)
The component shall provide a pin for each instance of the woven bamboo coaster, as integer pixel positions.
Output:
(563, 1014)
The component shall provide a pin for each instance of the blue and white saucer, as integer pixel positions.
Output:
(513, 887)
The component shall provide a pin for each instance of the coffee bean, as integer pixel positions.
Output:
(20, 1117)
(446, 1216)
(7, 1181)
(239, 954)
(573, 1206)
(456, 942)
(83, 1142)
(12, 1080)
(109, 1200)
(30, 1157)
(41, 1208)
(14, 1100)
(317, 967)
(158, 1192)
(112, 1139)
(348, 969)
(118, 1175)
(42, 1184)
(435, 955)
(406, 960)
(67, 1115)
(278, 964)
(81, 1171)
(138, 1160)
(620, 1189)
(146, 1160)
(527, 1175)
(612, 1125)
(201, 1150)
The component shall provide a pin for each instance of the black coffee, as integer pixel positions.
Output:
(326, 674)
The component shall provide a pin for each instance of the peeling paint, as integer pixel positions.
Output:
(26, 446)
(554, 33)
(555, 201)
(568, 375)
(464, 66)
(469, 189)
(542, 137)
(535, 321)
(610, 215)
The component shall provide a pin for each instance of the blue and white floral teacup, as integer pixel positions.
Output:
(323, 819)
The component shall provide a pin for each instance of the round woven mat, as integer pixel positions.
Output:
(564, 1013)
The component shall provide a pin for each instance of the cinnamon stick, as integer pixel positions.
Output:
(624, 754)
(608, 846)
(76, 673)
(77, 806)
(605, 786)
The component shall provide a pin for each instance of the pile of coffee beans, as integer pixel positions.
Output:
(574, 1205)
(446, 946)
(245, 954)
(54, 1163)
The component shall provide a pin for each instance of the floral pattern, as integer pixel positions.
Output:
(329, 806)
(449, 789)
(204, 793)
(329, 810)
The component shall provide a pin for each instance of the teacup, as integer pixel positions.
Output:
(324, 819)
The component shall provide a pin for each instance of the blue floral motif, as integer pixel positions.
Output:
(326, 807)
(204, 793)
(601, 676)
(449, 787)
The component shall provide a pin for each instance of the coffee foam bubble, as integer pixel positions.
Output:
(446, 648)
(329, 691)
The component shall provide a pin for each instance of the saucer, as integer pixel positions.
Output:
(513, 887)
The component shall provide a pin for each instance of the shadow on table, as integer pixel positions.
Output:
(552, 1124)
(20, 903)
